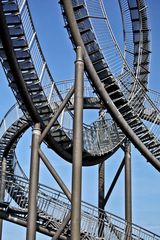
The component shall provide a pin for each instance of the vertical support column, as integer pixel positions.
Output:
(33, 185)
(77, 147)
(2, 190)
(101, 183)
(128, 188)
(101, 186)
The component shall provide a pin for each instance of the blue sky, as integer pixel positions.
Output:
(60, 58)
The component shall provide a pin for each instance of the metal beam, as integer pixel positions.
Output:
(114, 182)
(2, 190)
(55, 174)
(99, 86)
(128, 188)
(101, 184)
(56, 114)
(77, 147)
(33, 184)
(101, 187)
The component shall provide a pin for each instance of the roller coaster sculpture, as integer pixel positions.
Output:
(116, 85)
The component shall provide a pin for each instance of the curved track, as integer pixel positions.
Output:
(124, 112)
(29, 77)
(120, 92)
(53, 206)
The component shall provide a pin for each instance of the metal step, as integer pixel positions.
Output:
(13, 20)
(10, 7)
(19, 43)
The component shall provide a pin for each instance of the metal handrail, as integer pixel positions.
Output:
(93, 141)
(115, 43)
(54, 205)
(39, 61)
(134, 99)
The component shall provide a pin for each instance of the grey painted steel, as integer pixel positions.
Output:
(117, 116)
(101, 184)
(33, 185)
(59, 204)
(128, 184)
(2, 191)
(55, 174)
(114, 182)
(56, 115)
(77, 147)
(62, 227)
(23, 91)
(101, 189)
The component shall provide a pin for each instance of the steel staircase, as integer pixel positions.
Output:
(141, 39)
(54, 206)
(25, 44)
(11, 131)
(17, 187)
(137, 30)
(128, 102)
(91, 101)
(29, 72)
(31, 91)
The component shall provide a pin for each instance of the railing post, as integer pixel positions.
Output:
(33, 184)
(77, 147)
(128, 190)
(2, 190)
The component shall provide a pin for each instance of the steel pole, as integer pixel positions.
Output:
(56, 114)
(77, 147)
(101, 186)
(2, 191)
(101, 183)
(113, 182)
(33, 184)
(55, 174)
(128, 189)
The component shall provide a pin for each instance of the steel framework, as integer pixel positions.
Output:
(116, 86)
